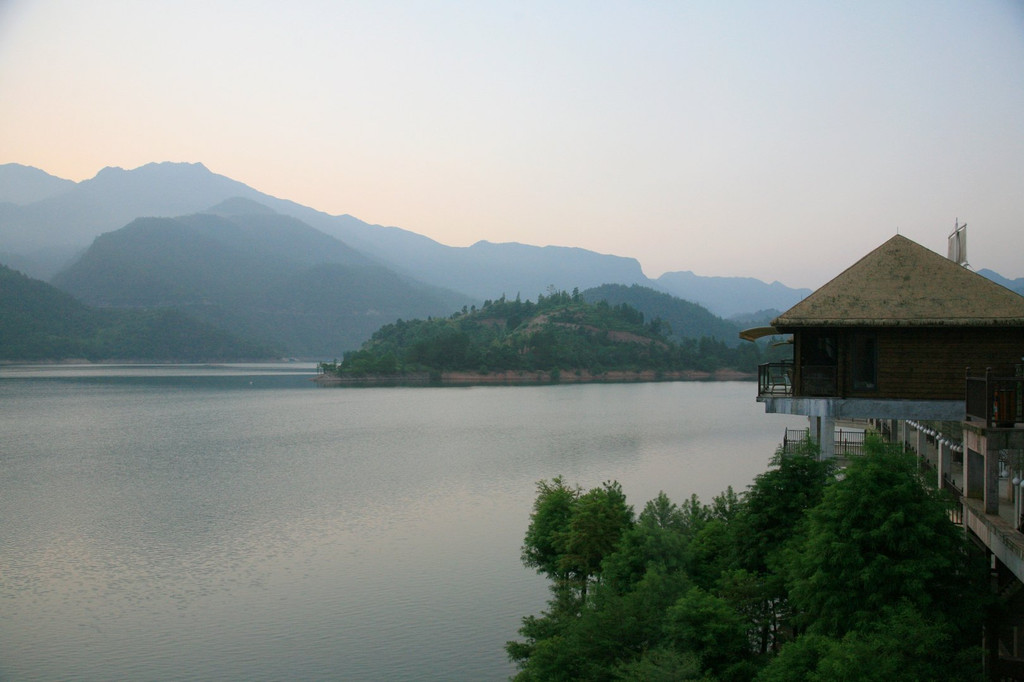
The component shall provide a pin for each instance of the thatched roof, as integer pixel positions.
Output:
(901, 283)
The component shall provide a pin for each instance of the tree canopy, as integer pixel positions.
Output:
(806, 575)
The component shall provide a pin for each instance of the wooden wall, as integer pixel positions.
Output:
(924, 363)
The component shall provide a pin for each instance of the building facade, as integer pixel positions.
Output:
(915, 342)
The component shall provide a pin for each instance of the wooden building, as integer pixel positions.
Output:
(893, 337)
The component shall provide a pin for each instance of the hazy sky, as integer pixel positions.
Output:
(776, 139)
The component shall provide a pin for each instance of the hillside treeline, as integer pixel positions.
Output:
(558, 332)
(41, 323)
(805, 576)
(685, 319)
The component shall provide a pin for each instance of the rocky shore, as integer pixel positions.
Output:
(528, 378)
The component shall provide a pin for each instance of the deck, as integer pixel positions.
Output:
(996, 398)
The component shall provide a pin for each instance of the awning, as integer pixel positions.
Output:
(755, 333)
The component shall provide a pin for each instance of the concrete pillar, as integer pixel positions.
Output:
(828, 437)
(814, 429)
(974, 474)
(943, 460)
(992, 482)
(984, 445)
(823, 432)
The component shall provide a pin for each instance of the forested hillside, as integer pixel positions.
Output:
(251, 272)
(680, 319)
(805, 576)
(39, 322)
(560, 332)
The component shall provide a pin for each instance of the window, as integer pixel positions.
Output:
(818, 364)
(865, 362)
(820, 349)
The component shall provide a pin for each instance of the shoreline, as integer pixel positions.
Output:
(531, 378)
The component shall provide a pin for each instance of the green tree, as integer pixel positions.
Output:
(880, 537)
(805, 576)
(658, 540)
(903, 645)
(713, 548)
(571, 532)
(708, 626)
(885, 586)
(569, 535)
(661, 664)
(770, 522)
(776, 504)
(549, 522)
(598, 520)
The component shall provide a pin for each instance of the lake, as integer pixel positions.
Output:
(237, 522)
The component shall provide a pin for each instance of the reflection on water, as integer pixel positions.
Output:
(235, 522)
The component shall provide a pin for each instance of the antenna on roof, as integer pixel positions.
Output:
(958, 244)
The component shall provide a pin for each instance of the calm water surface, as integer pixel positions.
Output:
(237, 522)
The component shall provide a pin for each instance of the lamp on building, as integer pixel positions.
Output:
(1016, 495)
(1020, 493)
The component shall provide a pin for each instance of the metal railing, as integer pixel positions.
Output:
(849, 442)
(996, 397)
(775, 379)
(792, 438)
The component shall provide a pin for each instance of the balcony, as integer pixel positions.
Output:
(775, 379)
(996, 398)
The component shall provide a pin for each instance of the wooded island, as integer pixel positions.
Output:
(559, 338)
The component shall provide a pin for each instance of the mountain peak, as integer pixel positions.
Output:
(240, 206)
(730, 296)
(22, 185)
(172, 168)
(175, 165)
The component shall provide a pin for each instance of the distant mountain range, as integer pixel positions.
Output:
(25, 185)
(42, 236)
(731, 296)
(56, 220)
(260, 274)
(1012, 284)
(177, 236)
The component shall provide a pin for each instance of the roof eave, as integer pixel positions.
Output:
(785, 326)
